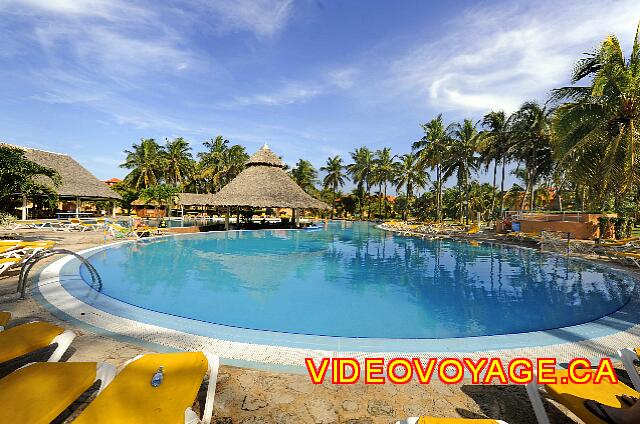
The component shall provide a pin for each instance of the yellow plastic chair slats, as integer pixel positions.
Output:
(573, 396)
(5, 316)
(130, 398)
(25, 338)
(38, 393)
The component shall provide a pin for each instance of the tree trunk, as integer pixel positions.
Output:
(439, 194)
(380, 201)
(467, 205)
(502, 193)
(493, 198)
(385, 201)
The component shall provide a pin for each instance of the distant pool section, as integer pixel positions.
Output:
(353, 280)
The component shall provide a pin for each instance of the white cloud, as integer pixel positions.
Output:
(106, 9)
(290, 93)
(495, 57)
(264, 18)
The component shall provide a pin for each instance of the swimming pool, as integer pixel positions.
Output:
(354, 280)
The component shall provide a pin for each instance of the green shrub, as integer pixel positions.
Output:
(6, 219)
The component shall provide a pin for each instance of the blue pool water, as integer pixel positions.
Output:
(354, 280)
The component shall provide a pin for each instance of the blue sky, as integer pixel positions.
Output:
(311, 78)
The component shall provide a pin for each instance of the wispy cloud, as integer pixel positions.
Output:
(496, 57)
(264, 18)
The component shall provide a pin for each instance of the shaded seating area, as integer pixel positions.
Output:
(264, 184)
(78, 185)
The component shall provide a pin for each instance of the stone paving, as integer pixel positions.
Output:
(247, 396)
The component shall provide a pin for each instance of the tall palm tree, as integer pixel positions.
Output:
(494, 146)
(430, 149)
(361, 174)
(179, 160)
(334, 178)
(531, 144)
(212, 162)
(461, 159)
(146, 162)
(597, 128)
(409, 174)
(234, 160)
(383, 172)
(305, 175)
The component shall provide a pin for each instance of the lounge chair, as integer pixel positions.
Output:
(39, 392)
(433, 420)
(7, 263)
(628, 356)
(26, 338)
(131, 398)
(573, 396)
(5, 316)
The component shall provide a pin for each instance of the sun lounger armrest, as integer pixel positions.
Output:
(105, 373)
(536, 401)
(410, 420)
(214, 365)
(63, 341)
(628, 356)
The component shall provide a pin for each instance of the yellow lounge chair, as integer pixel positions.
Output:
(432, 420)
(574, 395)
(5, 316)
(628, 356)
(7, 263)
(39, 392)
(26, 338)
(131, 398)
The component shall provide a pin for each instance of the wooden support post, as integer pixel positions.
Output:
(226, 219)
(77, 207)
(113, 210)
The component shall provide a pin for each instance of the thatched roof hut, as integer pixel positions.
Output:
(76, 180)
(264, 183)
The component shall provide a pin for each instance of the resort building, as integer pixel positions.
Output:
(77, 185)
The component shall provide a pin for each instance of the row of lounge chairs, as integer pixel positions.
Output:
(113, 229)
(14, 253)
(432, 229)
(148, 388)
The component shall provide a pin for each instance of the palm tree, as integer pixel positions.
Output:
(597, 127)
(179, 160)
(409, 174)
(383, 172)
(334, 179)
(361, 174)
(494, 146)
(430, 151)
(461, 159)
(305, 175)
(531, 144)
(212, 161)
(146, 162)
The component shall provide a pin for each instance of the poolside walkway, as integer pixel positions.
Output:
(247, 396)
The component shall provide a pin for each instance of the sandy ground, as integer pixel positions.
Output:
(247, 396)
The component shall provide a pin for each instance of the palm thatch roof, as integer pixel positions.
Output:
(76, 180)
(264, 183)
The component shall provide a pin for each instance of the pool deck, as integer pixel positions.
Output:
(249, 395)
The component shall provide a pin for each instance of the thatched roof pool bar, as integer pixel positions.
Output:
(264, 184)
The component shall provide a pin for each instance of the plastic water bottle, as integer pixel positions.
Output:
(158, 377)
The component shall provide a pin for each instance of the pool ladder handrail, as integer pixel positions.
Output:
(29, 263)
